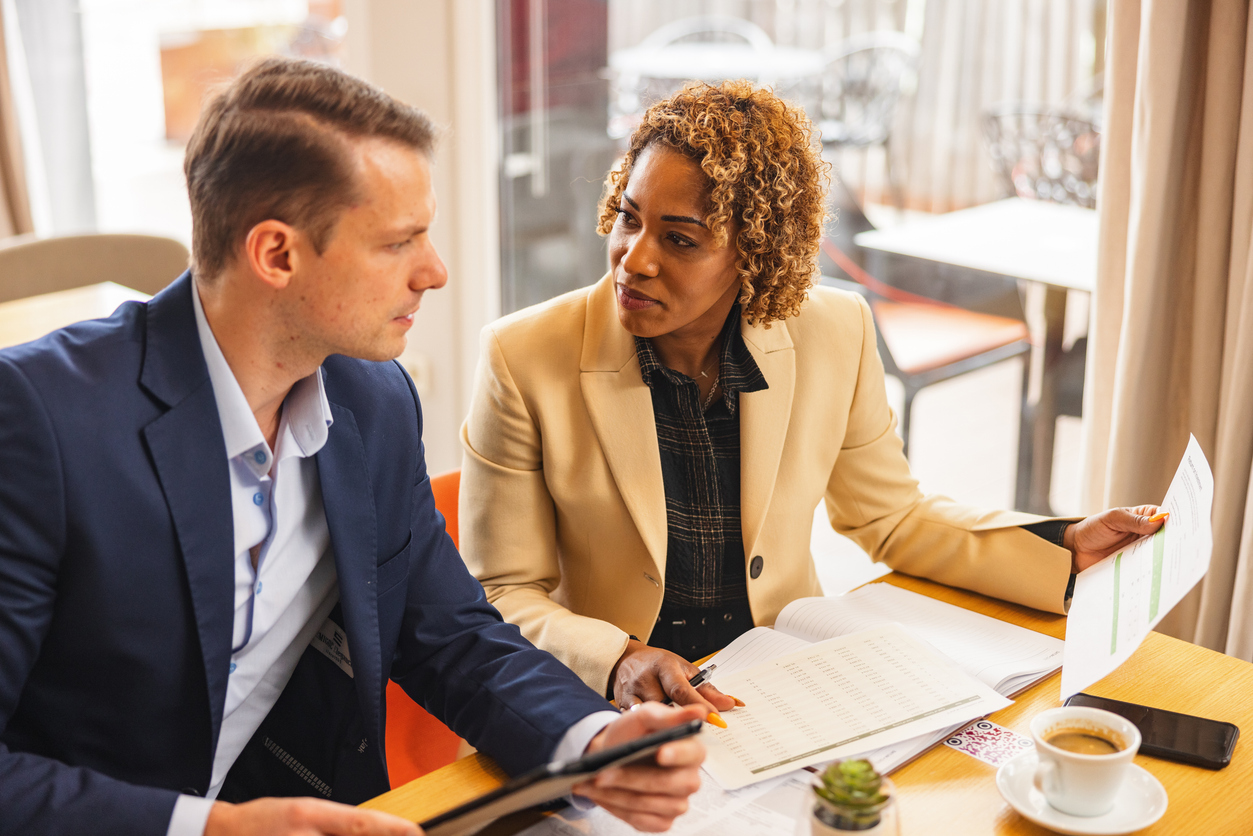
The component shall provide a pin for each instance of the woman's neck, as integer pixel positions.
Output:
(695, 356)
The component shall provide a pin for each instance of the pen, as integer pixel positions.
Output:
(701, 678)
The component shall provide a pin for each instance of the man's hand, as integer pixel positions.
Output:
(1100, 535)
(647, 674)
(302, 817)
(648, 796)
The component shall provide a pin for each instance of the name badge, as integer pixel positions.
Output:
(331, 642)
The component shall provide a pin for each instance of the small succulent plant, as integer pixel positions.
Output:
(853, 794)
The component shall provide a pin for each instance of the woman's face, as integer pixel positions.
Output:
(670, 276)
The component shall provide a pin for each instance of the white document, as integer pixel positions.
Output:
(836, 698)
(1004, 656)
(769, 808)
(1119, 600)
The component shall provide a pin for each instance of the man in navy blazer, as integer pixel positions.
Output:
(131, 589)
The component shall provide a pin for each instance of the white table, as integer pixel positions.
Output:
(1048, 244)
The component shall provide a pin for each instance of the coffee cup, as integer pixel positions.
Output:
(1082, 756)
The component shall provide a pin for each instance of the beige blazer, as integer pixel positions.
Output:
(563, 510)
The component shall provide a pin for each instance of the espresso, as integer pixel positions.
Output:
(1082, 742)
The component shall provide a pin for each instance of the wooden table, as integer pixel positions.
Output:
(1046, 244)
(23, 320)
(947, 792)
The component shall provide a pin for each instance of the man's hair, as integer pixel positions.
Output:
(276, 144)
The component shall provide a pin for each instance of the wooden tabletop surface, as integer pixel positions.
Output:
(947, 792)
(23, 320)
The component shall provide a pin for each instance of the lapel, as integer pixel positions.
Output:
(189, 456)
(621, 409)
(348, 500)
(764, 418)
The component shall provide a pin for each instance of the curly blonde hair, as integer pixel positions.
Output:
(765, 172)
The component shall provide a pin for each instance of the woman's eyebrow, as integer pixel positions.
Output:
(682, 219)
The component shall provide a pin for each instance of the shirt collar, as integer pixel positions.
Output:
(737, 370)
(306, 411)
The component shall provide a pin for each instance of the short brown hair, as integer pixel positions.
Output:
(274, 144)
(765, 172)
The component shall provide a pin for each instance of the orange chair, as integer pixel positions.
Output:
(417, 743)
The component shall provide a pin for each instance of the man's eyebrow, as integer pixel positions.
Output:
(682, 219)
(406, 231)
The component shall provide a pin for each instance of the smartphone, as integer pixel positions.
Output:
(1173, 736)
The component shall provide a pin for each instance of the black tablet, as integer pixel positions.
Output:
(546, 783)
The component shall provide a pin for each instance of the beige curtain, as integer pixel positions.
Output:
(15, 215)
(1172, 342)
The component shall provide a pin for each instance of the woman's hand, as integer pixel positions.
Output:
(648, 674)
(1100, 535)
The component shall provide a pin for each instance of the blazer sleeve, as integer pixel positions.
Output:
(503, 470)
(39, 795)
(873, 499)
(458, 659)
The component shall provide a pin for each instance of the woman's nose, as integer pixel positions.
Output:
(640, 259)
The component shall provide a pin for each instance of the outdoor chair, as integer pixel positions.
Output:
(862, 83)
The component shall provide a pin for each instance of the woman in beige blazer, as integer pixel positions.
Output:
(601, 437)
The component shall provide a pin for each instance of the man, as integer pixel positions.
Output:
(217, 536)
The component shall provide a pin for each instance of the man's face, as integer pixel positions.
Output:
(359, 296)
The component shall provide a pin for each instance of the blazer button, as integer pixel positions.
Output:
(754, 568)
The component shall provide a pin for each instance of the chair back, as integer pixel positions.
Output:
(862, 84)
(446, 487)
(1044, 154)
(417, 743)
(30, 265)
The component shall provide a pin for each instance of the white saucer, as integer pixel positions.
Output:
(1141, 801)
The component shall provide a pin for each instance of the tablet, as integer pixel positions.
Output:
(549, 782)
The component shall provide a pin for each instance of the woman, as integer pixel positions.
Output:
(643, 457)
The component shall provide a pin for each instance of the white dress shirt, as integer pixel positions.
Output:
(276, 503)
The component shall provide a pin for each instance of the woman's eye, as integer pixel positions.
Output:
(681, 241)
(624, 216)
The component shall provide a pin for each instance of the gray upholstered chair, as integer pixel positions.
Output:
(30, 265)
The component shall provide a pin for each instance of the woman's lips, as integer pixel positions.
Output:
(633, 300)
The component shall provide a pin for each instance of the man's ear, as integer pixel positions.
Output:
(269, 251)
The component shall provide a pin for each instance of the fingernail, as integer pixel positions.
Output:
(739, 703)
(1158, 517)
(714, 720)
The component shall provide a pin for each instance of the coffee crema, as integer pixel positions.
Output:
(1082, 742)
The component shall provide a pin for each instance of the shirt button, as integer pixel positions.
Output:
(232, 667)
(259, 456)
(257, 499)
(259, 585)
(754, 568)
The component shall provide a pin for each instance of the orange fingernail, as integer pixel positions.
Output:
(714, 720)
(739, 703)
(1158, 517)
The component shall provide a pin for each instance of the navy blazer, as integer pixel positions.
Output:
(116, 580)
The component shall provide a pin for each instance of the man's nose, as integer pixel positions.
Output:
(431, 274)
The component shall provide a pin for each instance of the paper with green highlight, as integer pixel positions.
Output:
(1119, 600)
